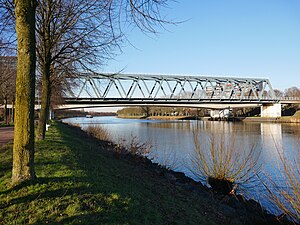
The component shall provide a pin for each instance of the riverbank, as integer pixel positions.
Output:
(158, 117)
(285, 119)
(80, 180)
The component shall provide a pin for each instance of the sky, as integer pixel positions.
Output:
(232, 38)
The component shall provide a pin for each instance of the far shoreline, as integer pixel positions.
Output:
(284, 119)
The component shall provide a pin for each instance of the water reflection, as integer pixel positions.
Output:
(173, 140)
(181, 125)
(271, 135)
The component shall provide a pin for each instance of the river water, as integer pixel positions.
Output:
(173, 143)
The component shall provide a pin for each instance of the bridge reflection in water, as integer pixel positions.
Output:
(271, 134)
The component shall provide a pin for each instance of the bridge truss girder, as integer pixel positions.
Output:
(169, 89)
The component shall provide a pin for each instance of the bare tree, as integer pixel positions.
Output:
(278, 93)
(79, 35)
(7, 28)
(7, 56)
(292, 92)
(23, 151)
(72, 35)
(7, 82)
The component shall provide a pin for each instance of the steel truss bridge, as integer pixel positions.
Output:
(107, 89)
(96, 90)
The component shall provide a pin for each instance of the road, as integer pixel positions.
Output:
(6, 134)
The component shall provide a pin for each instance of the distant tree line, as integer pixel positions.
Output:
(289, 92)
(60, 114)
(161, 111)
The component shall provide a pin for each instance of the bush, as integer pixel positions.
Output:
(99, 132)
(286, 195)
(222, 164)
(122, 147)
(133, 147)
(138, 148)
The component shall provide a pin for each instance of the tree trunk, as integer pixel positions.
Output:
(46, 75)
(5, 110)
(23, 152)
(13, 111)
(45, 103)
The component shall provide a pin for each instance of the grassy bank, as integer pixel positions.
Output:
(6, 125)
(284, 119)
(291, 119)
(79, 182)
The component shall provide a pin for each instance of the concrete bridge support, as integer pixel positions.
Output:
(271, 110)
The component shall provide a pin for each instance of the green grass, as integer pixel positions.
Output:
(6, 125)
(79, 182)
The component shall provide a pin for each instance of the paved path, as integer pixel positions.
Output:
(6, 134)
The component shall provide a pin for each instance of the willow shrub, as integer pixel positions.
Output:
(133, 146)
(223, 164)
(284, 193)
(99, 132)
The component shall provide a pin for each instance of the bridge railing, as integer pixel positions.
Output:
(290, 98)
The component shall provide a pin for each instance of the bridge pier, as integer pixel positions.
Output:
(270, 110)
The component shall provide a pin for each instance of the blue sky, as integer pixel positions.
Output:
(238, 38)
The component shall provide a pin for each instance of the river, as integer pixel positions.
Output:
(173, 143)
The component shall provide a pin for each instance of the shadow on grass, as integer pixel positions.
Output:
(43, 193)
(90, 218)
(81, 183)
